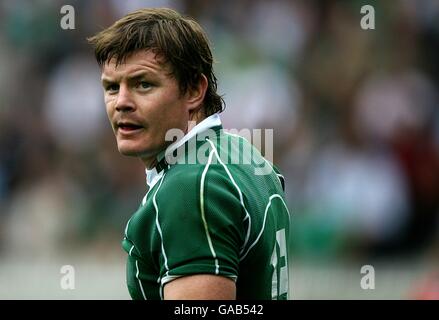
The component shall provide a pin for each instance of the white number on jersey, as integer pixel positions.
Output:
(280, 273)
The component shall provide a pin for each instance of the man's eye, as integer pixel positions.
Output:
(144, 85)
(112, 87)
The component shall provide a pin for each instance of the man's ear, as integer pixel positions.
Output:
(195, 95)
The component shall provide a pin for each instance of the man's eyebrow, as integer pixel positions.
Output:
(139, 75)
(105, 80)
(134, 76)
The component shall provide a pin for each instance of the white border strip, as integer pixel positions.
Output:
(241, 199)
(203, 215)
(265, 218)
(154, 201)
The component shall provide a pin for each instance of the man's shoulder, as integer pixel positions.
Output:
(184, 190)
(193, 174)
(188, 182)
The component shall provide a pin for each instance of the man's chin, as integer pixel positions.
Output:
(134, 152)
(129, 153)
(128, 150)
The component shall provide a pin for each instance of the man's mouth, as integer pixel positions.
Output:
(127, 127)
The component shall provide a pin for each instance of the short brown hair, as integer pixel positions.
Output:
(180, 40)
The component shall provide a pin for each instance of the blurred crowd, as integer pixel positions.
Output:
(355, 117)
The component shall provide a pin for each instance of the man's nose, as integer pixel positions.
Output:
(125, 100)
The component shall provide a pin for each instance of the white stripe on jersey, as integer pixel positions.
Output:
(241, 199)
(140, 282)
(137, 274)
(203, 216)
(154, 201)
(156, 179)
(129, 253)
(263, 224)
(126, 228)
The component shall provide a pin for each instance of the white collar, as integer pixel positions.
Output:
(152, 176)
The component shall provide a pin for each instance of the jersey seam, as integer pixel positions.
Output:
(276, 195)
(202, 211)
(154, 200)
(240, 194)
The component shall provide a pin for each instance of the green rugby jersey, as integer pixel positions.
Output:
(210, 211)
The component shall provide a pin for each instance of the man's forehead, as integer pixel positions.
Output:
(140, 60)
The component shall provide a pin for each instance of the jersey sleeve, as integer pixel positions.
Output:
(201, 221)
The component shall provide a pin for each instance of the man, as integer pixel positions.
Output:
(209, 227)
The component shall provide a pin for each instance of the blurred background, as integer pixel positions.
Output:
(356, 134)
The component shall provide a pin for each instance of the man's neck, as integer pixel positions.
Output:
(194, 119)
(150, 163)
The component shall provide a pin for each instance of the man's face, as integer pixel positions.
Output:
(143, 102)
